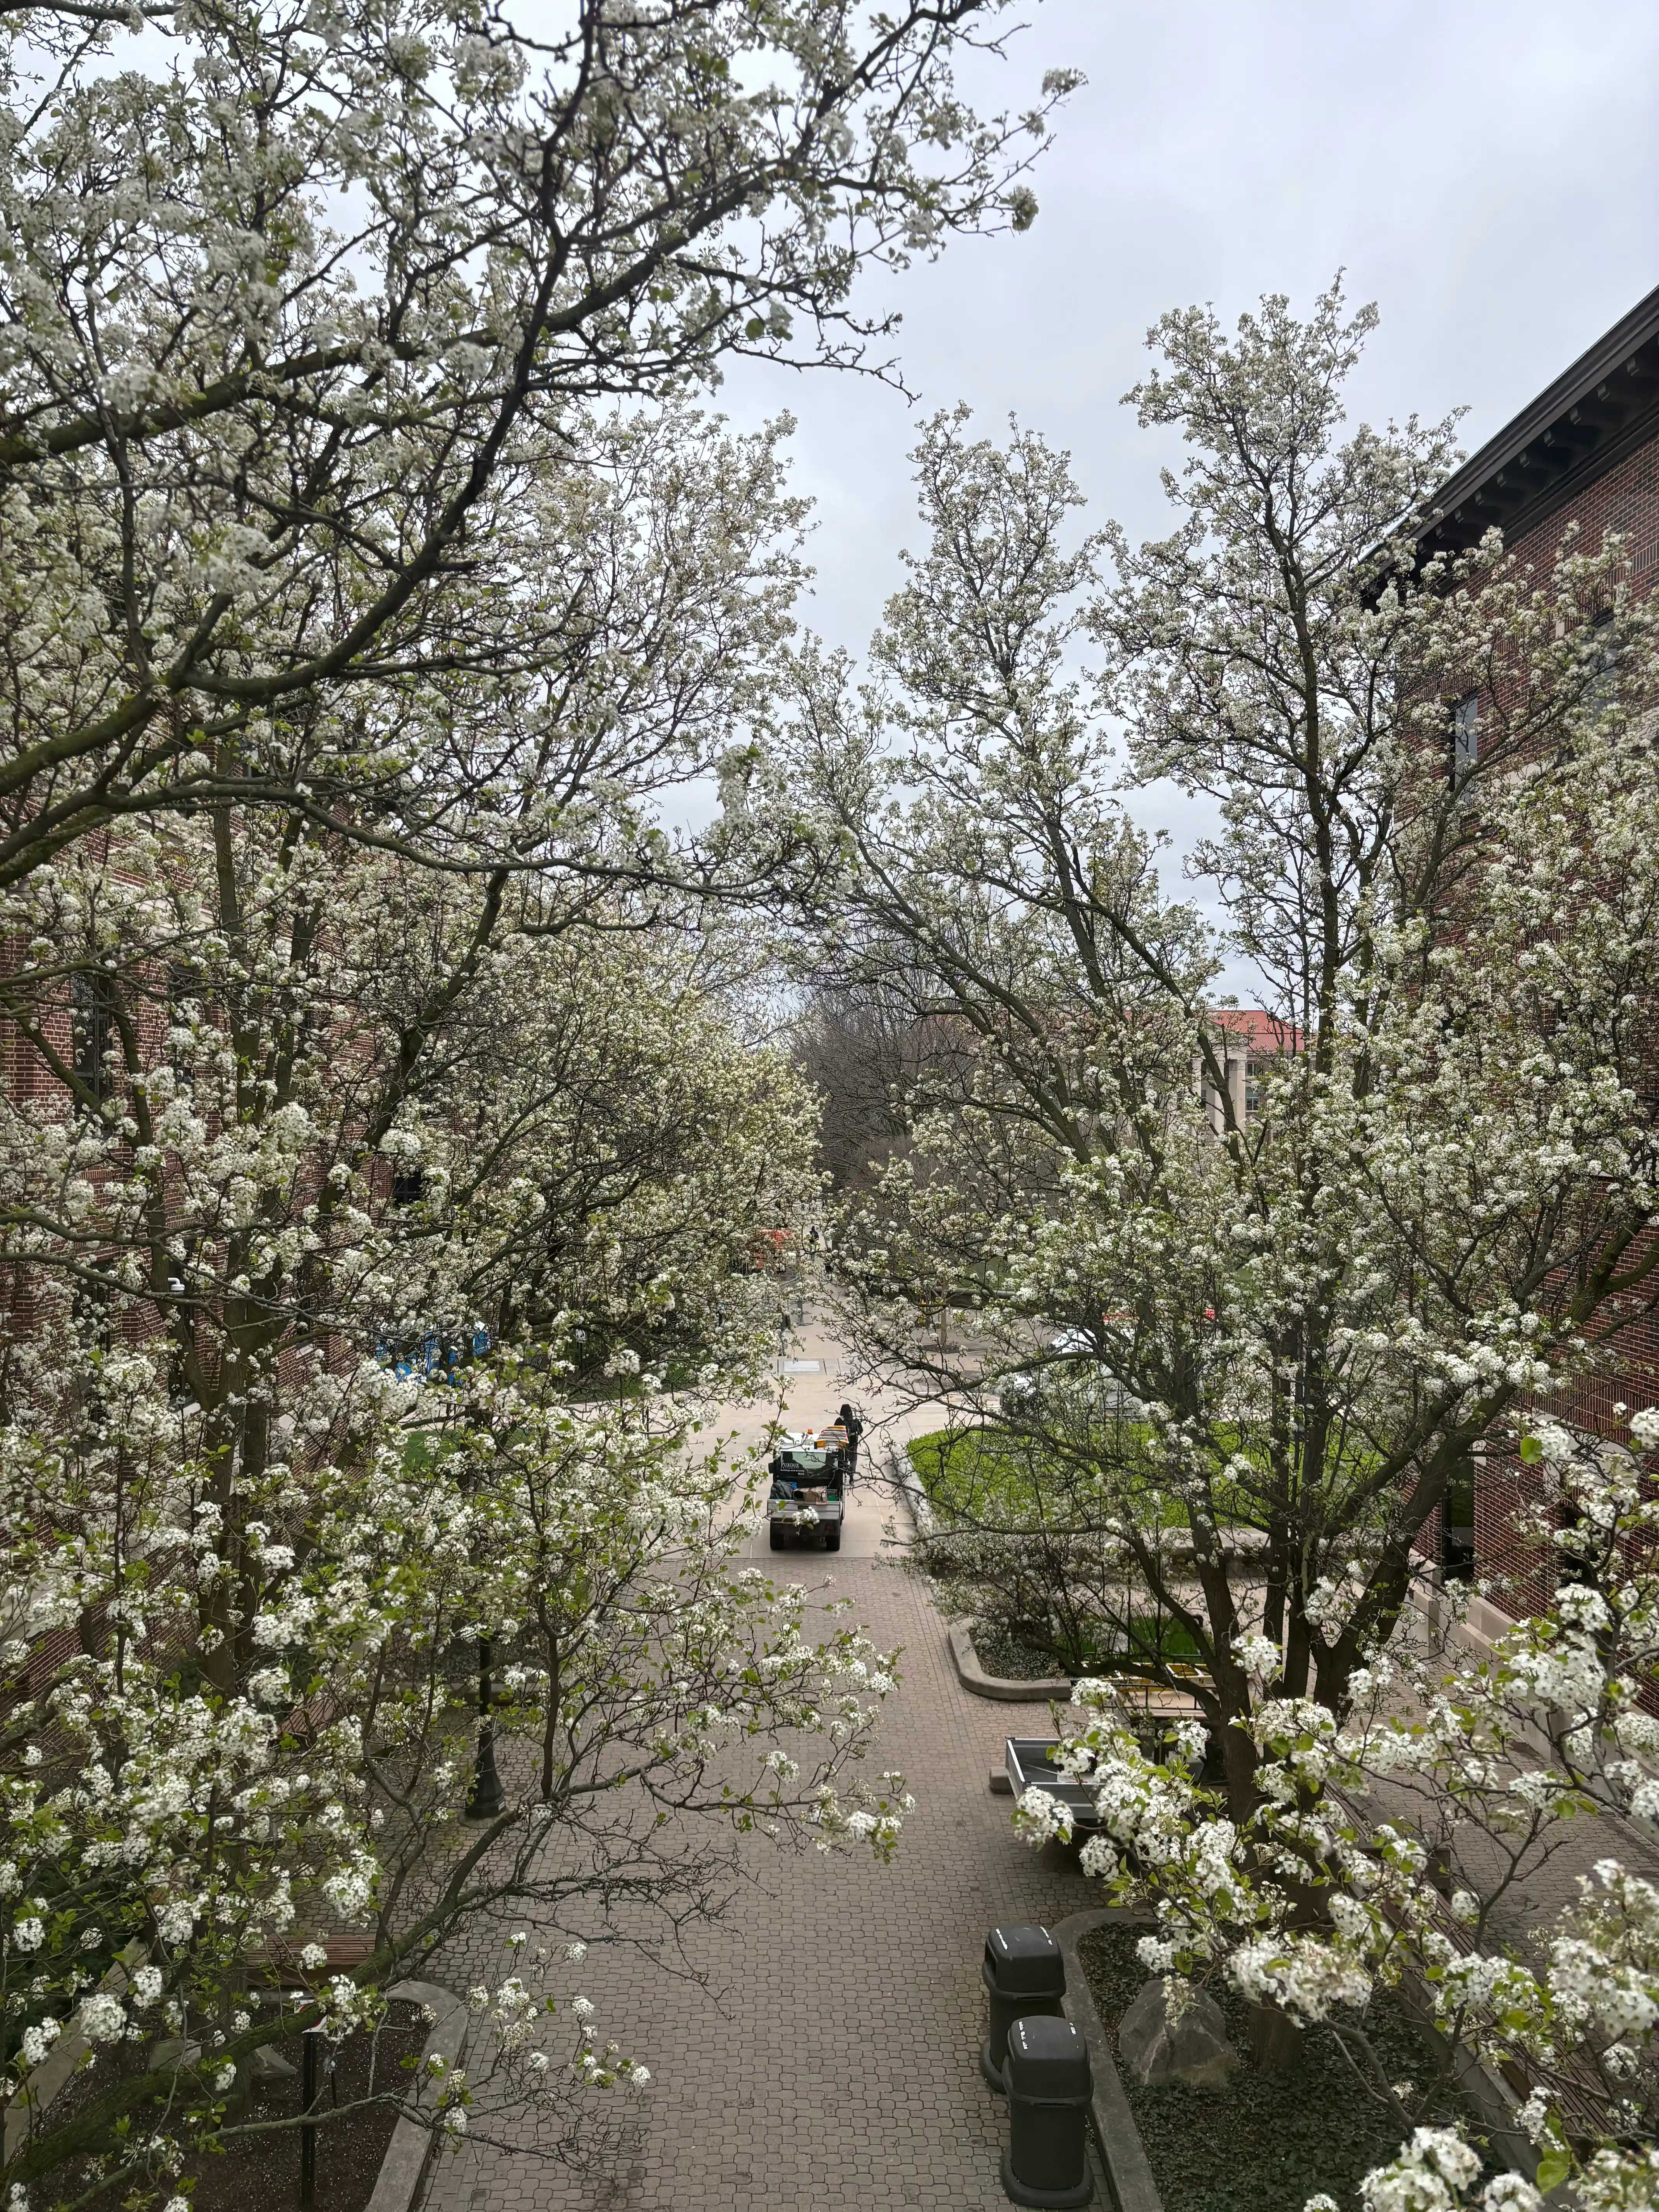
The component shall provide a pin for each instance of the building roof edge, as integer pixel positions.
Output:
(1576, 425)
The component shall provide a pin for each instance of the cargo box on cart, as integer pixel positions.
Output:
(806, 1504)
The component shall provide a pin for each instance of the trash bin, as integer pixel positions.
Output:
(1046, 2075)
(1024, 1973)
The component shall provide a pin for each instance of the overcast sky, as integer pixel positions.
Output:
(1487, 170)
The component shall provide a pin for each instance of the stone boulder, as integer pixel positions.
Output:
(265, 2064)
(175, 2051)
(1175, 2034)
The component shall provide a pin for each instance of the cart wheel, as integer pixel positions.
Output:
(832, 1538)
(776, 1535)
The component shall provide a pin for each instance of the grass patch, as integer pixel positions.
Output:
(1267, 2143)
(976, 1475)
(971, 1474)
(1021, 1652)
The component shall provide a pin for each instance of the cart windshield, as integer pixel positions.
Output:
(801, 1455)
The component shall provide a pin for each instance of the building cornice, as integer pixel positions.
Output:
(1599, 410)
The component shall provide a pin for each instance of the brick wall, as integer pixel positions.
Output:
(1625, 500)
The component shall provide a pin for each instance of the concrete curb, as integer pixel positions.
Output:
(1490, 2095)
(903, 1478)
(1046, 1690)
(403, 2168)
(1128, 2176)
(57, 2067)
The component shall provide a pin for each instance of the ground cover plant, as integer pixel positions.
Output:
(1265, 2140)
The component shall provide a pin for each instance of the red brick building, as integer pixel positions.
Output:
(1585, 450)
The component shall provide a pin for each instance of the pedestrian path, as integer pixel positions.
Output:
(831, 2064)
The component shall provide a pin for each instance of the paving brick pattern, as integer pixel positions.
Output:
(832, 2064)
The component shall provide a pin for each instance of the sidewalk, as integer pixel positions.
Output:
(832, 2063)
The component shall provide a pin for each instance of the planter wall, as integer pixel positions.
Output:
(1008, 1689)
(1128, 2174)
(413, 2145)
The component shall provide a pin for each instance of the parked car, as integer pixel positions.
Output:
(1070, 1362)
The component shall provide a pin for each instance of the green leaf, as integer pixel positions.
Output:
(1531, 1450)
(1552, 2169)
(754, 327)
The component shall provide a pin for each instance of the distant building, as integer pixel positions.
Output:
(1253, 1040)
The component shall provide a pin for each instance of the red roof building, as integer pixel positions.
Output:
(1264, 1035)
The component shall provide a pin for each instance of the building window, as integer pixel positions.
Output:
(1465, 738)
(92, 1000)
(186, 995)
(1457, 1523)
(1603, 689)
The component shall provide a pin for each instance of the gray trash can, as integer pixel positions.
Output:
(1024, 1973)
(1047, 2077)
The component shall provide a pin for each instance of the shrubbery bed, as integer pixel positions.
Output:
(1265, 2143)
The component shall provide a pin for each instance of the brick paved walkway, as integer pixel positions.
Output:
(832, 2065)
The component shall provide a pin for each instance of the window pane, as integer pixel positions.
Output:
(1465, 736)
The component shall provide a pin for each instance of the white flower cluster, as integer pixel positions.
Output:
(1461, 1735)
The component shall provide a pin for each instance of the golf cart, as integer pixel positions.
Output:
(808, 1472)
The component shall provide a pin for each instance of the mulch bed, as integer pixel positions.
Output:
(1265, 2143)
(262, 2174)
(1000, 1652)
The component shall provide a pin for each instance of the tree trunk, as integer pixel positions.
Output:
(1275, 2040)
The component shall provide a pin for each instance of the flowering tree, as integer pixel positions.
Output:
(1226, 1358)
(298, 1124)
(343, 1108)
(170, 1817)
(1395, 1846)
(368, 578)
(321, 1095)
(303, 313)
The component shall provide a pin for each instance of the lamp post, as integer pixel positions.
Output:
(485, 1799)
(310, 2044)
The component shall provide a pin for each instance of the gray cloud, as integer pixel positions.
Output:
(1487, 170)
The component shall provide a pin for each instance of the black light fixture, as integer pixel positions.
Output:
(486, 1797)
